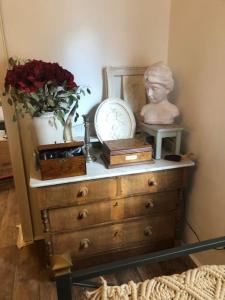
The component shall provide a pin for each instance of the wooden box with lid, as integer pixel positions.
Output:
(117, 153)
(61, 160)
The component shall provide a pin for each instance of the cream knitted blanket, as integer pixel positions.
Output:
(203, 283)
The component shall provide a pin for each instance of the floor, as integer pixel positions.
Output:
(22, 272)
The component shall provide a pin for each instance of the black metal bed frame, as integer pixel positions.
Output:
(64, 282)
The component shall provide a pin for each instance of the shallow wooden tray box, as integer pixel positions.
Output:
(54, 163)
(117, 153)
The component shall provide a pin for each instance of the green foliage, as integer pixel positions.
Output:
(48, 98)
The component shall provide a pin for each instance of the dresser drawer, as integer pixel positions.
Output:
(151, 182)
(68, 194)
(142, 205)
(106, 238)
(81, 216)
(149, 229)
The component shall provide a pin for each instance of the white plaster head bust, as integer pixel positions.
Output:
(158, 84)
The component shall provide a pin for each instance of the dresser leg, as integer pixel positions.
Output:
(61, 268)
(64, 286)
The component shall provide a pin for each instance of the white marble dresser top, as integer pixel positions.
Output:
(97, 170)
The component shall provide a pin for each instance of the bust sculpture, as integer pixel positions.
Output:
(158, 84)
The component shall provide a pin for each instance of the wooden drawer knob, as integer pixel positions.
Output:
(151, 182)
(149, 204)
(148, 231)
(83, 192)
(83, 214)
(84, 244)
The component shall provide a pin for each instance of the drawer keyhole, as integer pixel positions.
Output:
(116, 233)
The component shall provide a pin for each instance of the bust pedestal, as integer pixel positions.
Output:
(162, 131)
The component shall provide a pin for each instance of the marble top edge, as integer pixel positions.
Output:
(97, 170)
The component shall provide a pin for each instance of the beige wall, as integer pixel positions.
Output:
(87, 35)
(84, 36)
(197, 57)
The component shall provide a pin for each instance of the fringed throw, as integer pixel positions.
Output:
(203, 283)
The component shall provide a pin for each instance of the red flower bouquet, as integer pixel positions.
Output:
(37, 87)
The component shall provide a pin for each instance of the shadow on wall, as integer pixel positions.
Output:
(78, 129)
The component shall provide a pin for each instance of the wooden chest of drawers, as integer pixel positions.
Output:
(99, 220)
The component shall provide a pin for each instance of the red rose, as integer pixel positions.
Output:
(34, 74)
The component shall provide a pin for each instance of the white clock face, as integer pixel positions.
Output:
(114, 120)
